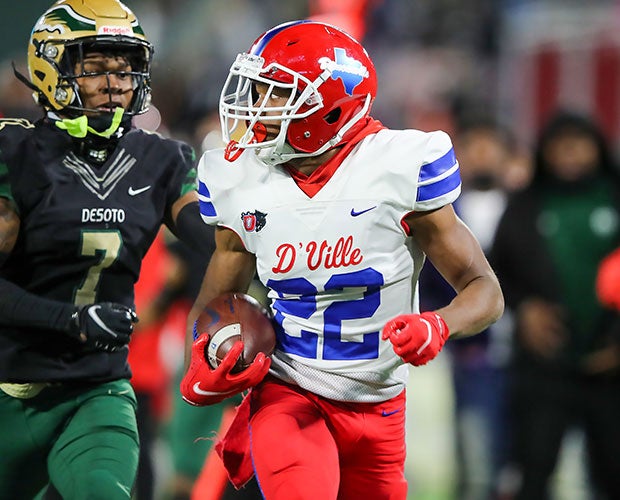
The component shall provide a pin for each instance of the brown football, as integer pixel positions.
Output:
(231, 317)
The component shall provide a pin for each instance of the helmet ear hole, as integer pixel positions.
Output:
(333, 116)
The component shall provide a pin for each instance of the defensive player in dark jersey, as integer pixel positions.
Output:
(82, 196)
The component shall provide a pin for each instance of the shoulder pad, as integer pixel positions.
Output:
(8, 123)
(13, 131)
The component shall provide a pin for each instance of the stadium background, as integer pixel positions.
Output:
(437, 60)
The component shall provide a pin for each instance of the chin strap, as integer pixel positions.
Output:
(78, 127)
(24, 80)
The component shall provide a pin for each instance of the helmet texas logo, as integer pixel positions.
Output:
(349, 70)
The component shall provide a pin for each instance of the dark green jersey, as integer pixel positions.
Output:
(84, 231)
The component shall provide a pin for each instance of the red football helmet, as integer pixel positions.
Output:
(328, 76)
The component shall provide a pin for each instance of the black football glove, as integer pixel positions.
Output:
(105, 326)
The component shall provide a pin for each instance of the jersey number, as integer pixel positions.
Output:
(105, 244)
(306, 343)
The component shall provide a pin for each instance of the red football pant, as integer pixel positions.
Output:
(308, 447)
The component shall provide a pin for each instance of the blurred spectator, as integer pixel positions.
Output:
(150, 376)
(485, 151)
(185, 428)
(547, 249)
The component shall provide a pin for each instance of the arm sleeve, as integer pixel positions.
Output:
(190, 228)
(184, 173)
(21, 308)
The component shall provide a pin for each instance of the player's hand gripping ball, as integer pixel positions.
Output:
(232, 317)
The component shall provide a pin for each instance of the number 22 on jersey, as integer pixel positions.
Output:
(304, 306)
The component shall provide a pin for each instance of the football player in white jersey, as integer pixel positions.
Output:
(336, 213)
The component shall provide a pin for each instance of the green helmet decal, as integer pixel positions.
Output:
(57, 18)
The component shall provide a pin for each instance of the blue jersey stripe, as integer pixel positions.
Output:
(438, 167)
(259, 46)
(203, 190)
(207, 209)
(439, 188)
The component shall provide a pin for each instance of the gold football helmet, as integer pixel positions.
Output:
(71, 28)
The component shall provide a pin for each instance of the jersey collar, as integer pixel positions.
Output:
(312, 184)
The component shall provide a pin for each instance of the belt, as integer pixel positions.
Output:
(23, 391)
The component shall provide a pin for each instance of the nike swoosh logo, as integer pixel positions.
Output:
(134, 192)
(124, 488)
(198, 390)
(355, 214)
(92, 312)
(388, 413)
(429, 336)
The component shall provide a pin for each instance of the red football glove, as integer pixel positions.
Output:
(417, 338)
(202, 385)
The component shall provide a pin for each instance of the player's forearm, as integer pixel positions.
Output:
(192, 230)
(228, 271)
(478, 305)
(19, 307)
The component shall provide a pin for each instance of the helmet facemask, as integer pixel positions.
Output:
(67, 57)
(241, 115)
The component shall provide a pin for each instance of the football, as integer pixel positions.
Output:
(231, 317)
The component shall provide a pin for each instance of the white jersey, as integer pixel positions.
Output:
(338, 265)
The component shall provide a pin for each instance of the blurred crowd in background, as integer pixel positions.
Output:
(437, 60)
(530, 93)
